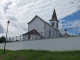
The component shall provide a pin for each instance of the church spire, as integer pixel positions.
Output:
(53, 20)
(54, 15)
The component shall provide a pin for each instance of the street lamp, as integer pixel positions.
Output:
(6, 36)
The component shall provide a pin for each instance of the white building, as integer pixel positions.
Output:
(38, 28)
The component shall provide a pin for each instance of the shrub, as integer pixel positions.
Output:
(2, 39)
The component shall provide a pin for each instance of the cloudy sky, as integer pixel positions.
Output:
(20, 12)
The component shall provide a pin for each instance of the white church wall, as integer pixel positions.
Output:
(52, 22)
(58, 34)
(54, 34)
(38, 37)
(42, 34)
(32, 37)
(25, 37)
(55, 24)
(42, 28)
(47, 27)
(37, 24)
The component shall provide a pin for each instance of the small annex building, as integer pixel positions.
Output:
(38, 28)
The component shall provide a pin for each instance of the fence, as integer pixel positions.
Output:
(75, 31)
(16, 38)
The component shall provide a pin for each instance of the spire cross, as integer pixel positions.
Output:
(65, 31)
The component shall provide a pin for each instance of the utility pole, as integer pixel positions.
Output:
(6, 36)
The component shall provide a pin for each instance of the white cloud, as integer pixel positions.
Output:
(73, 27)
(70, 24)
(20, 12)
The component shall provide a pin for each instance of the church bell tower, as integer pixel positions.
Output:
(53, 21)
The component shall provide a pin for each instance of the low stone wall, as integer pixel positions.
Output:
(56, 44)
(12, 45)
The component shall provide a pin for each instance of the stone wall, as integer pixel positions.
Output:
(56, 44)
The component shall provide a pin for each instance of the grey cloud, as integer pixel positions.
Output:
(25, 29)
(1, 29)
(12, 18)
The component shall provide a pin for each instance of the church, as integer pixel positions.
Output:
(38, 28)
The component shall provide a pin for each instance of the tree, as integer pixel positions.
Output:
(2, 39)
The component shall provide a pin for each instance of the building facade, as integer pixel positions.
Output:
(38, 28)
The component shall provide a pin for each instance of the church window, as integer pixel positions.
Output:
(49, 33)
(53, 33)
(57, 24)
(52, 23)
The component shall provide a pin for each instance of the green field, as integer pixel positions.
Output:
(39, 55)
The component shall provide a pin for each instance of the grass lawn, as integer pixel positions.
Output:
(39, 55)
